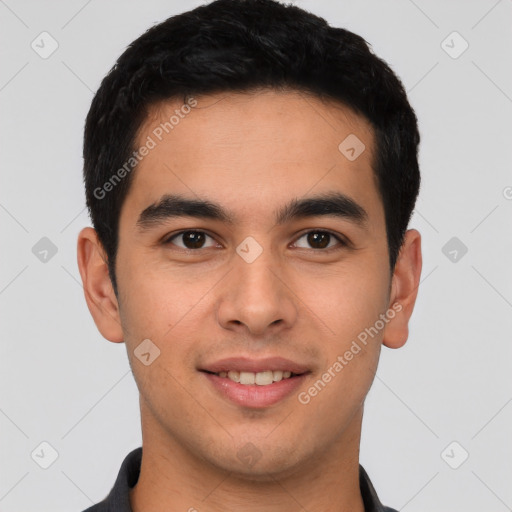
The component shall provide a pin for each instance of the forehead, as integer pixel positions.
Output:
(253, 149)
(262, 116)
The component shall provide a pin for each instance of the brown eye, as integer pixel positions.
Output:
(191, 240)
(321, 239)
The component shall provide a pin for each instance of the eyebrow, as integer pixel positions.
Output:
(333, 204)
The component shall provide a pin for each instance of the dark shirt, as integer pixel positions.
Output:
(118, 499)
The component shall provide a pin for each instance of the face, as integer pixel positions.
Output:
(265, 306)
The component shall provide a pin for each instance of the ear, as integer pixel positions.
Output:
(99, 294)
(404, 289)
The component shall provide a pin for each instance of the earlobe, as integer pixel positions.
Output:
(99, 294)
(404, 290)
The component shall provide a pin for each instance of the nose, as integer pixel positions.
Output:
(256, 297)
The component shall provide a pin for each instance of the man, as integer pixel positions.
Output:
(250, 173)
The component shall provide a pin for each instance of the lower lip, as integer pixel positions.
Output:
(252, 395)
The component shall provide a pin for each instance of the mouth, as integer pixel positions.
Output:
(255, 383)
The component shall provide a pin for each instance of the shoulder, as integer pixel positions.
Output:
(118, 500)
(99, 507)
(371, 500)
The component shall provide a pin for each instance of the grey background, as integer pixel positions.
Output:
(63, 384)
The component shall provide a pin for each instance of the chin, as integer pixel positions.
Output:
(256, 463)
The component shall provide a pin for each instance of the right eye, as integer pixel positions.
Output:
(192, 240)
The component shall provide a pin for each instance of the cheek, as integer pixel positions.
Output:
(158, 300)
(345, 301)
(351, 357)
(352, 303)
(164, 306)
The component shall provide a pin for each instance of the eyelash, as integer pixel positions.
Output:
(341, 243)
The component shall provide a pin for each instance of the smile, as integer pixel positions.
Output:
(263, 378)
(255, 383)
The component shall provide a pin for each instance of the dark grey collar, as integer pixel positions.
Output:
(118, 499)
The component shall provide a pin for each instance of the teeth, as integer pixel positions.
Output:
(277, 375)
(261, 378)
(233, 376)
(247, 378)
(264, 378)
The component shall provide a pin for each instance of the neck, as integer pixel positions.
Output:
(172, 479)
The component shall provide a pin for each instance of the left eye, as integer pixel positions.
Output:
(321, 239)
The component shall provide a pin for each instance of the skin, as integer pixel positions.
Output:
(251, 153)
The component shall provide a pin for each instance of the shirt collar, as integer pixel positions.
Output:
(118, 499)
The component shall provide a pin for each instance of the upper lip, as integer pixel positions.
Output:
(246, 364)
